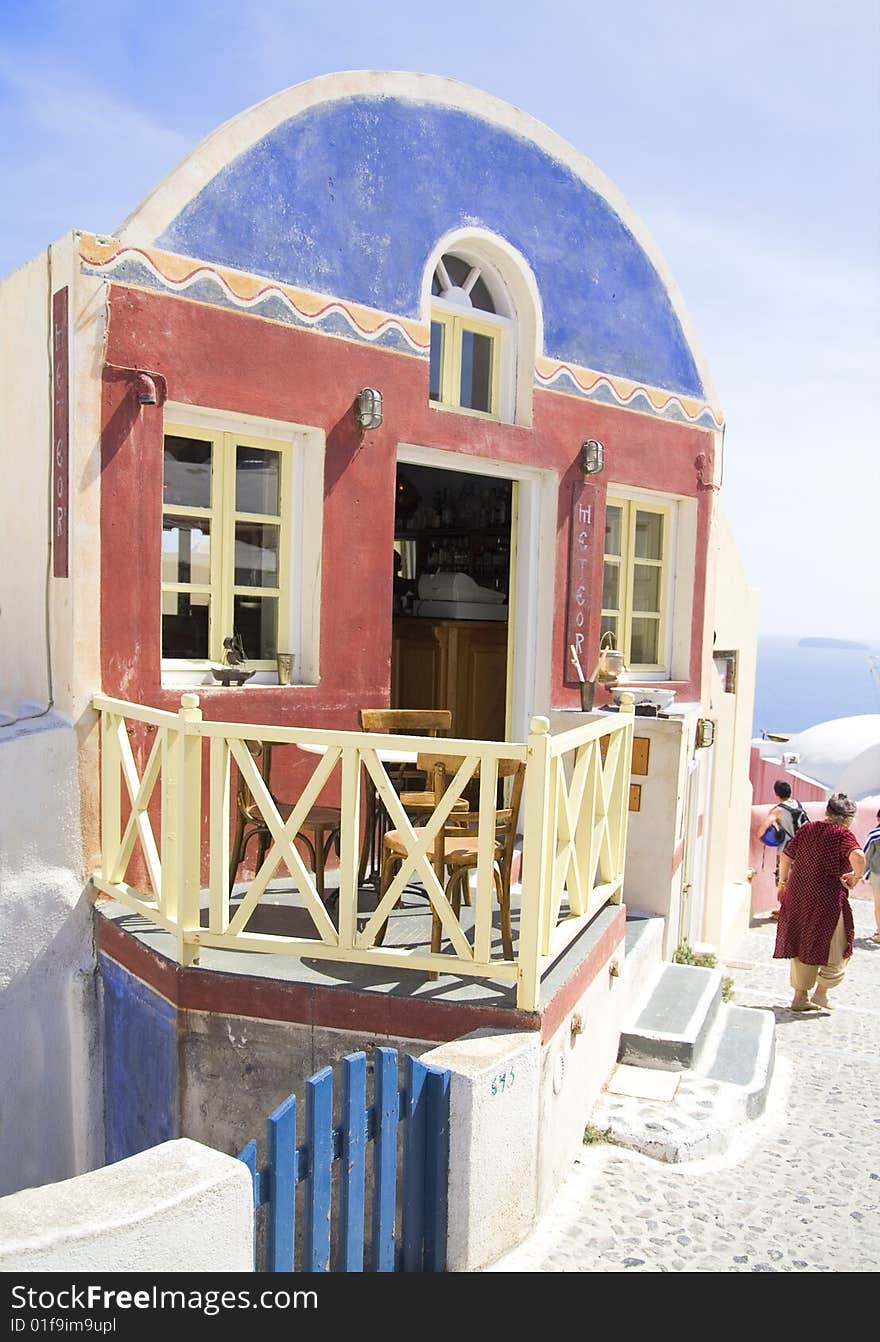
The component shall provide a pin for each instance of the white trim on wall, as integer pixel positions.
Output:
(532, 616)
(524, 336)
(306, 536)
(678, 597)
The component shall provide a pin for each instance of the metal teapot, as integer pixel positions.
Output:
(611, 663)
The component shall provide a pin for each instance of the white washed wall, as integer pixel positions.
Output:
(50, 1074)
(179, 1207)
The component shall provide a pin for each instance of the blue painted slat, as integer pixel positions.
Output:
(436, 1170)
(386, 1114)
(353, 1163)
(248, 1156)
(319, 1138)
(281, 1223)
(413, 1191)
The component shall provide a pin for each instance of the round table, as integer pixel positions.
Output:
(370, 864)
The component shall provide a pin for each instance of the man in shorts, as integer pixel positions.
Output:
(783, 816)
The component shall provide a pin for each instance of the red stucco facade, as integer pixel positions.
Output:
(237, 363)
(227, 361)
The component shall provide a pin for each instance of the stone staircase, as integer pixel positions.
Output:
(691, 1068)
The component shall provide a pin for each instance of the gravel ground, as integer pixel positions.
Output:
(798, 1191)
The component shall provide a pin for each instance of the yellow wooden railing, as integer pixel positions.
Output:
(574, 838)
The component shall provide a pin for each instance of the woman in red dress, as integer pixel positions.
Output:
(819, 867)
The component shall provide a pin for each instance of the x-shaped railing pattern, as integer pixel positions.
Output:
(418, 851)
(140, 788)
(575, 833)
(587, 830)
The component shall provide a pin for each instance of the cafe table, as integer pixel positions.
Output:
(376, 826)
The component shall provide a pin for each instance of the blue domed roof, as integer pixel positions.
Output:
(350, 195)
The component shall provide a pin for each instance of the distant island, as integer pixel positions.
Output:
(833, 643)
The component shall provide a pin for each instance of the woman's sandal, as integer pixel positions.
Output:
(807, 1006)
(821, 1006)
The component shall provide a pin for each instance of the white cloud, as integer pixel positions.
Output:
(49, 97)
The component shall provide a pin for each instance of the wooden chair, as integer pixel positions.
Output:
(408, 722)
(319, 831)
(456, 846)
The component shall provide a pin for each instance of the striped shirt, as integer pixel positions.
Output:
(871, 849)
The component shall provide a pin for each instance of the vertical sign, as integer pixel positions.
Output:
(579, 554)
(60, 434)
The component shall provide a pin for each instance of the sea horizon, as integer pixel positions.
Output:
(798, 685)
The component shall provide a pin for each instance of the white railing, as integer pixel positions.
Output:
(575, 810)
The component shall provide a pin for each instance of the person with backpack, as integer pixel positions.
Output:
(871, 849)
(783, 823)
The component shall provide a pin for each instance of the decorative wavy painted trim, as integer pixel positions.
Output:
(235, 289)
(552, 375)
(239, 291)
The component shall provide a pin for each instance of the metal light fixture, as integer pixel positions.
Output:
(146, 390)
(368, 408)
(705, 733)
(592, 457)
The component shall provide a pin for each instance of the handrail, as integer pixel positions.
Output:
(575, 813)
(154, 717)
(443, 745)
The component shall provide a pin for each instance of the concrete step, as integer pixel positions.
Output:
(745, 1055)
(696, 1111)
(643, 955)
(671, 1029)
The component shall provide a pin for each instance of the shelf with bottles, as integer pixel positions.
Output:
(477, 505)
(483, 554)
(463, 526)
(431, 533)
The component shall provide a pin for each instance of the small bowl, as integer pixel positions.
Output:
(644, 694)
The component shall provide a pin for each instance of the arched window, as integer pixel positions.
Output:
(471, 337)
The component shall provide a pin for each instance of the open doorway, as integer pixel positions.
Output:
(453, 588)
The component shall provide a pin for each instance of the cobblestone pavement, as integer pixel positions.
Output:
(800, 1188)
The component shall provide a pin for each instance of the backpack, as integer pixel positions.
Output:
(776, 836)
(798, 815)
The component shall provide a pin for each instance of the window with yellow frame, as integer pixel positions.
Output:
(225, 545)
(467, 336)
(635, 581)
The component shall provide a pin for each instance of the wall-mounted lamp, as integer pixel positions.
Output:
(704, 473)
(146, 389)
(368, 408)
(592, 457)
(705, 733)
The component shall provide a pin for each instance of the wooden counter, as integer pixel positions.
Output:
(456, 664)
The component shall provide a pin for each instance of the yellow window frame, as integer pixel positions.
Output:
(454, 327)
(626, 561)
(223, 517)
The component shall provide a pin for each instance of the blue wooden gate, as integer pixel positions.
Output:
(419, 1195)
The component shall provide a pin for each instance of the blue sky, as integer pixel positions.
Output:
(745, 136)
